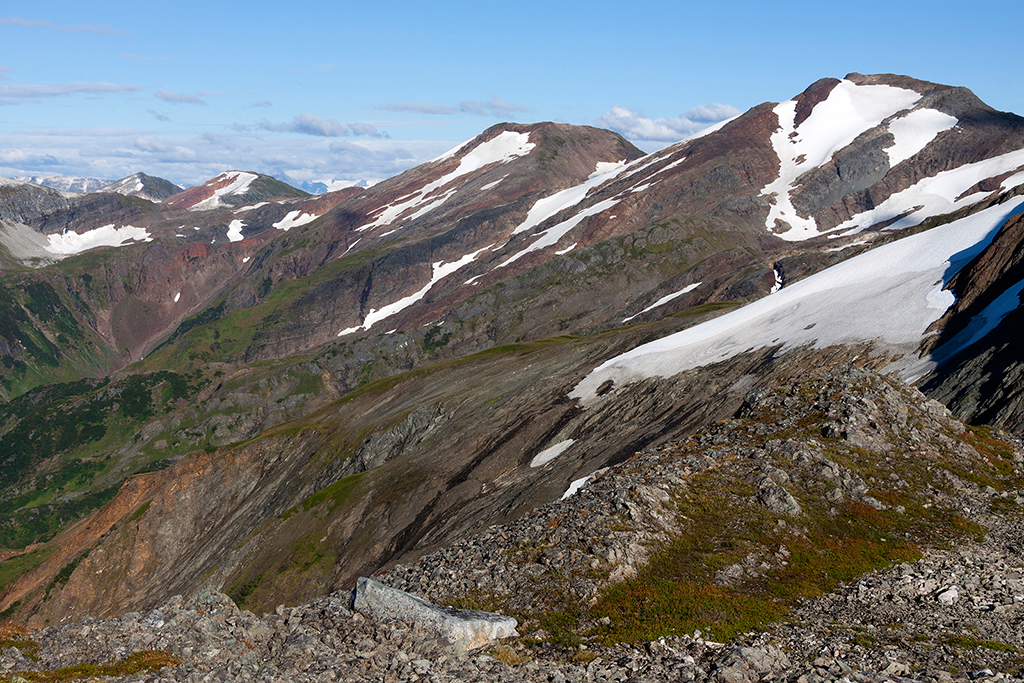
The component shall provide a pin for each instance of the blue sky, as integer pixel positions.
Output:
(349, 91)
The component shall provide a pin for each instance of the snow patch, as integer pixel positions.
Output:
(251, 207)
(293, 219)
(235, 231)
(935, 195)
(552, 235)
(1013, 181)
(501, 149)
(176, 297)
(603, 167)
(914, 131)
(549, 454)
(578, 484)
(488, 186)
(238, 183)
(565, 251)
(547, 207)
(664, 300)
(70, 242)
(439, 271)
(890, 294)
(848, 111)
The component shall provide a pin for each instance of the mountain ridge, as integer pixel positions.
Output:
(325, 386)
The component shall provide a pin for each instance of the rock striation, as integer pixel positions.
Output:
(842, 438)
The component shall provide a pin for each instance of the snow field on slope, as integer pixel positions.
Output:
(239, 184)
(71, 242)
(250, 207)
(937, 194)
(664, 300)
(293, 219)
(501, 149)
(890, 294)
(834, 123)
(549, 206)
(914, 131)
(235, 231)
(549, 454)
(980, 325)
(439, 271)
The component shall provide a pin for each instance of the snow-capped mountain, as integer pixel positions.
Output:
(621, 299)
(76, 184)
(145, 186)
(232, 188)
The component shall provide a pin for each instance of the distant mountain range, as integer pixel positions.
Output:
(67, 183)
(319, 386)
(157, 189)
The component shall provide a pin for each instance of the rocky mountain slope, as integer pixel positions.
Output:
(326, 386)
(837, 472)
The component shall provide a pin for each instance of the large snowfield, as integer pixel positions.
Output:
(890, 294)
(71, 242)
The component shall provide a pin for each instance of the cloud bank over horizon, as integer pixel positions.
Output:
(650, 133)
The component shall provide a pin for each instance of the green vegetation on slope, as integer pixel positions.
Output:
(58, 444)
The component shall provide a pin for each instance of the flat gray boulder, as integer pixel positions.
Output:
(470, 629)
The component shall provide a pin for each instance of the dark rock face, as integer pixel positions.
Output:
(24, 203)
(982, 382)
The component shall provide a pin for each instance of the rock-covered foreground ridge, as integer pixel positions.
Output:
(786, 508)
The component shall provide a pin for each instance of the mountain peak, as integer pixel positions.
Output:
(233, 188)
(143, 185)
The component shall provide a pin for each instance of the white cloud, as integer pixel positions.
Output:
(318, 126)
(639, 128)
(193, 159)
(496, 107)
(13, 94)
(100, 29)
(420, 108)
(711, 113)
(179, 98)
(21, 158)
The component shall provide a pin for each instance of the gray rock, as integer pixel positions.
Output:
(464, 628)
(778, 500)
(948, 596)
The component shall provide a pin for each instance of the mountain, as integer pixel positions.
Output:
(63, 183)
(640, 573)
(271, 394)
(232, 188)
(146, 186)
(326, 185)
